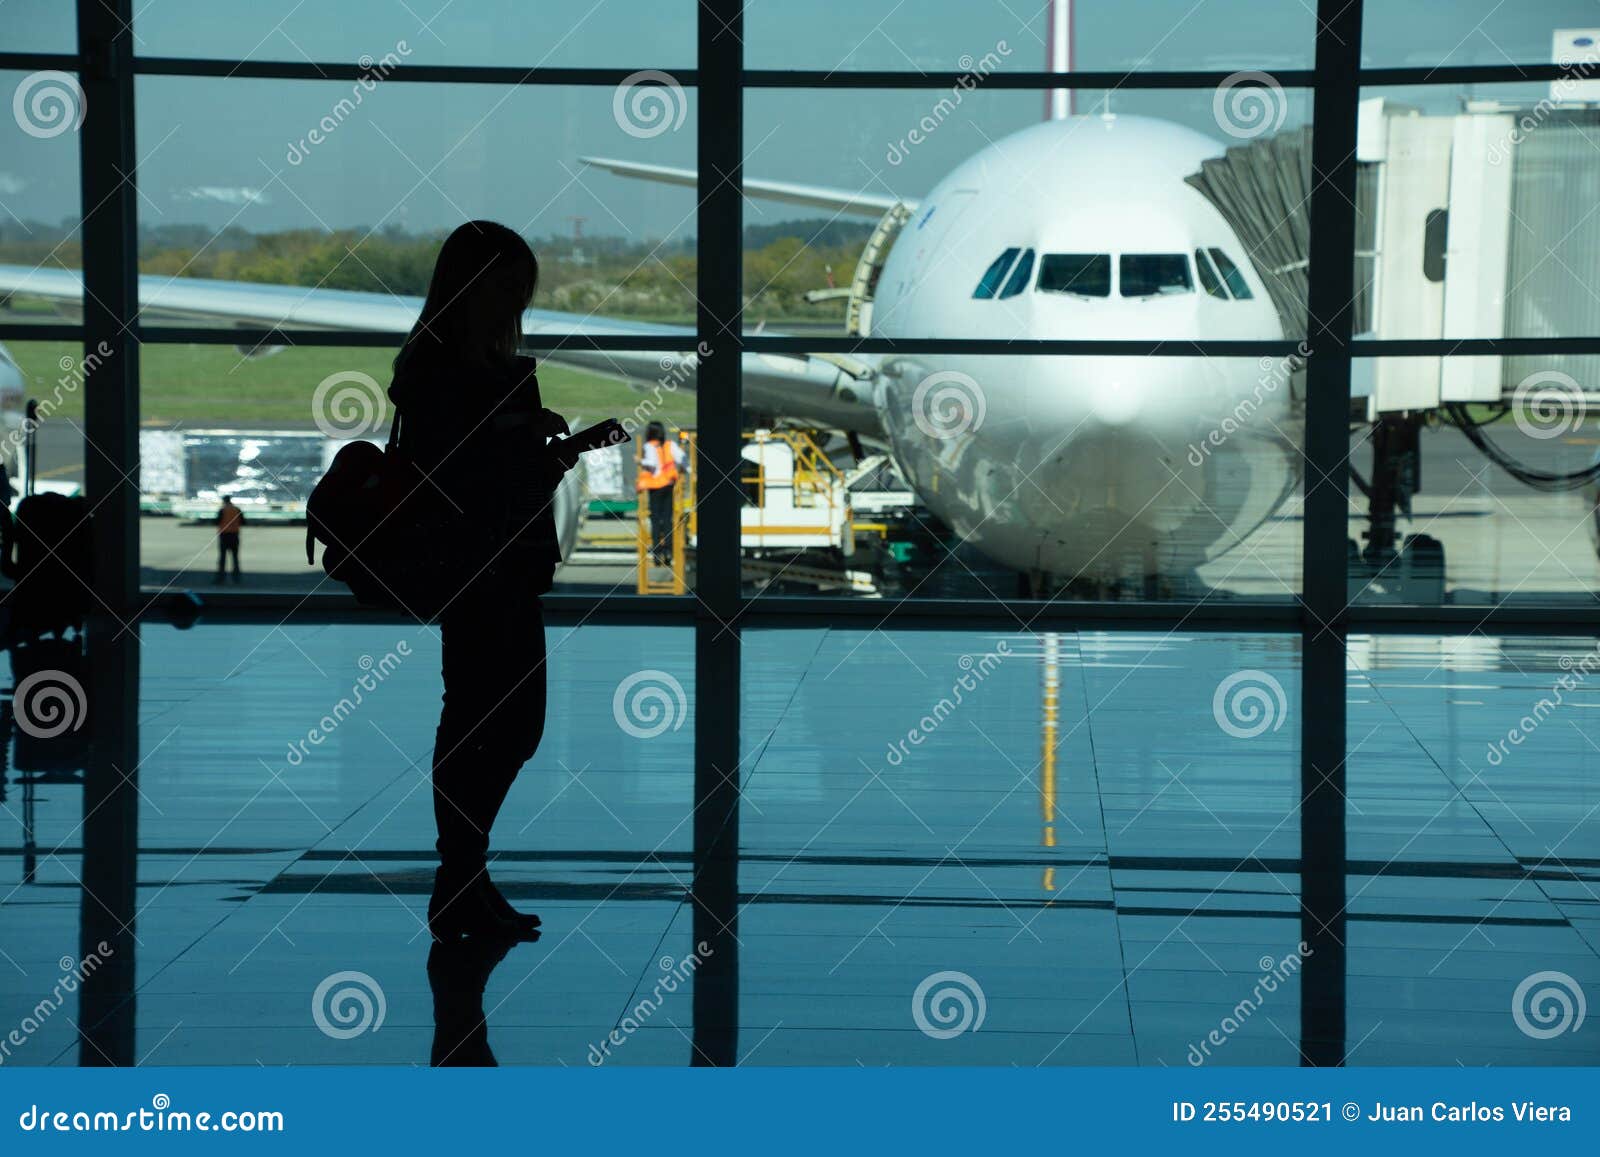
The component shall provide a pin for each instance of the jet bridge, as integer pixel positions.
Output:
(1461, 224)
(1461, 221)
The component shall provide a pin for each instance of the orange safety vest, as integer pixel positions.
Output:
(228, 520)
(666, 471)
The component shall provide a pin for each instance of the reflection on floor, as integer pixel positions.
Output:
(955, 849)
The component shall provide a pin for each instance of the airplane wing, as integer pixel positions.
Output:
(830, 391)
(858, 201)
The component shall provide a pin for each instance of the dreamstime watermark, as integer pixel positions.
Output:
(1275, 373)
(372, 72)
(1563, 89)
(49, 103)
(73, 974)
(1249, 703)
(348, 1004)
(348, 404)
(975, 671)
(1575, 672)
(50, 703)
(1274, 973)
(1547, 1004)
(160, 1117)
(973, 73)
(649, 103)
(674, 973)
(1548, 404)
(73, 372)
(676, 372)
(948, 404)
(947, 1004)
(375, 672)
(1247, 105)
(649, 703)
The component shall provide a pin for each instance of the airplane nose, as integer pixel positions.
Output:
(1114, 392)
(1154, 395)
(1115, 401)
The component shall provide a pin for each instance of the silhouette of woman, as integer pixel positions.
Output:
(474, 425)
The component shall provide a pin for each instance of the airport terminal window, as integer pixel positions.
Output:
(1085, 274)
(1230, 274)
(1020, 276)
(1208, 275)
(1153, 274)
(994, 275)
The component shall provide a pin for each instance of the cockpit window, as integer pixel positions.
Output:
(1084, 274)
(994, 275)
(1018, 281)
(1154, 274)
(1208, 275)
(1230, 274)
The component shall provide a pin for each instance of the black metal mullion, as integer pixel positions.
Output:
(1025, 79)
(825, 343)
(1445, 75)
(1324, 584)
(111, 483)
(401, 73)
(719, 289)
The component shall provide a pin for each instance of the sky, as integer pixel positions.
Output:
(239, 151)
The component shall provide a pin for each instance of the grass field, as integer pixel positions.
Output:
(207, 385)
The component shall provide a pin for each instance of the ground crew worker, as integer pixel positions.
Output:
(230, 519)
(660, 463)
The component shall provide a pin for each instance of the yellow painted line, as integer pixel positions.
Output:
(60, 470)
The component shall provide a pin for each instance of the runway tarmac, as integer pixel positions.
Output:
(1501, 539)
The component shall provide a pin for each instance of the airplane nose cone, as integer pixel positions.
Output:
(1116, 403)
(1113, 392)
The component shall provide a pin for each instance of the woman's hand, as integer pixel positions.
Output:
(552, 424)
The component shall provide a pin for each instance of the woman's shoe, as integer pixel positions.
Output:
(461, 905)
(505, 911)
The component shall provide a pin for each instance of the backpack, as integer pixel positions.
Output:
(53, 564)
(387, 536)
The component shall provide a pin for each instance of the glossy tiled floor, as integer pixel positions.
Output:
(1069, 848)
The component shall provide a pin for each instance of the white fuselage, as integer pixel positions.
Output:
(1083, 467)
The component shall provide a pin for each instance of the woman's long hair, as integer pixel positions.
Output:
(471, 252)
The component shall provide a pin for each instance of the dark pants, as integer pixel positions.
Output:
(661, 524)
(227, 544)
(493, 717)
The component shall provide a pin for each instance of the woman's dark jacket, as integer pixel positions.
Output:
(475, 435)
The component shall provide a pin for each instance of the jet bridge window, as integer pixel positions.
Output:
(1083, 274)
(1230, 274)
(1154, 274)
(992, 277)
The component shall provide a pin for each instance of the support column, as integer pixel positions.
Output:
(1322, 685)
(717, 659)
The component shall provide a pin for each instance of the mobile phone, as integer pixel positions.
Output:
(596, 437)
